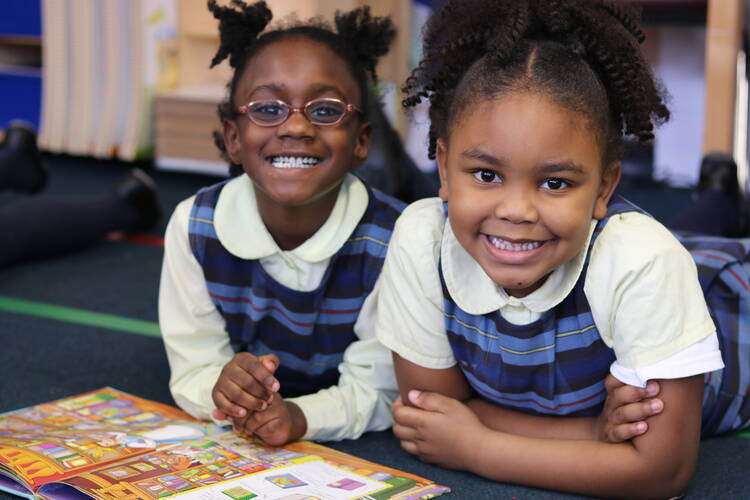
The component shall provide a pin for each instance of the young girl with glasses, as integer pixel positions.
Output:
(510, 299)
(269, 278)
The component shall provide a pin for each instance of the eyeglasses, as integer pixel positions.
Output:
(271, 113)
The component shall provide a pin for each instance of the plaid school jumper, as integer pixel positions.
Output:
(309, 331)
(557, 364)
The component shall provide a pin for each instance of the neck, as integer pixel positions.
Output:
(291, 226)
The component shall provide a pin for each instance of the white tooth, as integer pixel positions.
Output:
(294, 162)
(515, 247)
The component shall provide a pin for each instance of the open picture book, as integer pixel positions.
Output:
(106, 444)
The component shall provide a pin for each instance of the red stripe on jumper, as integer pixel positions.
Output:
(145, 239)
(281, 311)
(731, 271)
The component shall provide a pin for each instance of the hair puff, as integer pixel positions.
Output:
(238, 29)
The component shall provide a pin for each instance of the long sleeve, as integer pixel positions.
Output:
(362, 399)
(196, 342)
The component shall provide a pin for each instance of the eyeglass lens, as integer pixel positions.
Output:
(319, 112)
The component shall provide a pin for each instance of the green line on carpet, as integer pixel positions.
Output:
(80, 316)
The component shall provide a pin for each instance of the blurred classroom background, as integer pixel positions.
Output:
(129, 80)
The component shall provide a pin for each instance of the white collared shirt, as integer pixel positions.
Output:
(194, 332)
(641, 285)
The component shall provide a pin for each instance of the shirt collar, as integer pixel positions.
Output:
(474, 291)
(242, 232)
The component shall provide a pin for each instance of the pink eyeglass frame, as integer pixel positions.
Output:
(348, 108)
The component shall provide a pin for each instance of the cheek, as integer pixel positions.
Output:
(570, 221)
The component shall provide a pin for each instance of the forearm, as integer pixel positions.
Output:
(584, 467)
(536, 426)
(193, 331)
(448, 382)
(658, 464)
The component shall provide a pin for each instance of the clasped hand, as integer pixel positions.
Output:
(445, 431)
(247, 395)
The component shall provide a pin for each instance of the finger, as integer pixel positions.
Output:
(611, 383)
(270, 362)
(227, 407)
(407, 416)
(626, 394)
(429, 401)
(254, 366)
(652, 388)
(636, 412)
(240, 397)
(272, 432)
(217, 414)
(410, 447)
(625, 432)
(237, 384)
(239, 424)
(404, 432)
(252, 424)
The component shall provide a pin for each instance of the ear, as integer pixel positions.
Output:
(441, 154)
(362, 147)
(232, 141)
(609, 182)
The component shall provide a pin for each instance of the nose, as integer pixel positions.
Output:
(296, 125)
(516, 205)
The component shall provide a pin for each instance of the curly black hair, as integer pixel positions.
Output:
(358, 38)
(584, 54)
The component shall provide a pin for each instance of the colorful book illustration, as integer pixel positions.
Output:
(106, 444)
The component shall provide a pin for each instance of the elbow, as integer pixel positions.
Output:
(677, 479)
(663, 481)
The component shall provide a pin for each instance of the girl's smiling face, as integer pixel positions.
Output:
(297, 163)
(524, 178)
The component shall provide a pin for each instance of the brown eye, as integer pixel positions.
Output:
(554, 184)
(486, 176)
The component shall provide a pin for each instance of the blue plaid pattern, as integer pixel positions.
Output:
(724, 274)
(309, 331)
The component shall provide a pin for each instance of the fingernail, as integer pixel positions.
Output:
(656, 405)
(241, 412)
(273, 384)
(651, 389)
(414, 395)
(640, 427)
(263, 406)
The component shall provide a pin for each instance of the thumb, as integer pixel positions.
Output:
(430, 401)
(270, 362)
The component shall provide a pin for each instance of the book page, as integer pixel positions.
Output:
(226, 465)
(55, 440)
(109, 444)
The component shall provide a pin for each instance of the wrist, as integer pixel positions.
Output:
(595, 428)
(298, 421)
(473, 448)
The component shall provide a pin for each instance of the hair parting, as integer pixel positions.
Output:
(583, 53)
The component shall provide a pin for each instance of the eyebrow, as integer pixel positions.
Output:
(550, 168)
(476, 154)
(316, 89)
(565, 166)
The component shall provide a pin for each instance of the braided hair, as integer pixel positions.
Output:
(584, 54)
(357, 37)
